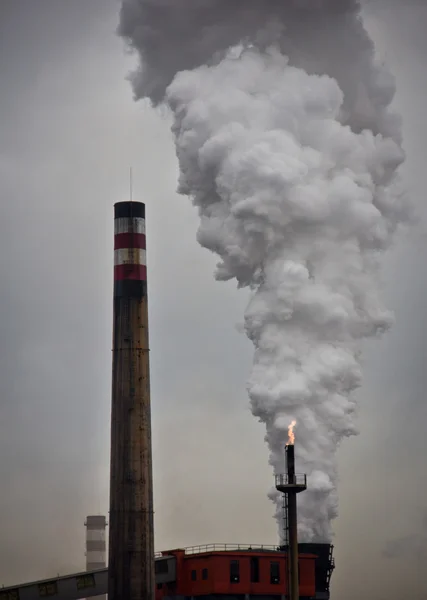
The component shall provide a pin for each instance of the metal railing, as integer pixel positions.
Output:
(230, 548)
(284, 479)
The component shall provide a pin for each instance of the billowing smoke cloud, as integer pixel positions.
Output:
(287, 146)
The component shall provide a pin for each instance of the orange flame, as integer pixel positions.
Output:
(291, 434)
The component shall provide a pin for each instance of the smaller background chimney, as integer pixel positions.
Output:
(96, 544)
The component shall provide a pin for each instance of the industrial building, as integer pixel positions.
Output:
(292, 571)
(235, 572)
(215, 572)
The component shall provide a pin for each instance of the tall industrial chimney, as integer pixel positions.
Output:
(131, 539)
(96, 545)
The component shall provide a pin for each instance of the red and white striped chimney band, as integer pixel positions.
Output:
(130, 262)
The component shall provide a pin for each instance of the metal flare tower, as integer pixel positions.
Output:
(290, 485)
(131, 533)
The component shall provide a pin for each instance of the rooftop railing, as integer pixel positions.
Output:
(230, 548)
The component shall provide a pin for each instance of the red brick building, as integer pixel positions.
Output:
(239, 573)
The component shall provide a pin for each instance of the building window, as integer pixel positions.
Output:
(10, 595)
(204, 574)
(48, 589)
(254, 569)
(274, 572)
(193, 575)
(234, 571)
(85, 581)
(161, 565)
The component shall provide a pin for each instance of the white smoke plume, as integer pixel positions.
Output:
(287, 146)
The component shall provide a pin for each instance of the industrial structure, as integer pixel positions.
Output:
(235, 572)
(79, 585)
(227, 572)
(131, 533)
(290, 485)
(215, 572)
(96, 557)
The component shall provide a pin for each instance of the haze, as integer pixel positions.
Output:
(69, 132)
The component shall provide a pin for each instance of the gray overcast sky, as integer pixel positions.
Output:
(69, 130)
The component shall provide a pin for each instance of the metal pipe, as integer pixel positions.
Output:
(131, 539)
(290, 463)
(293, 547)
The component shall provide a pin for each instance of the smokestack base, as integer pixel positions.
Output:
(325, 563)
